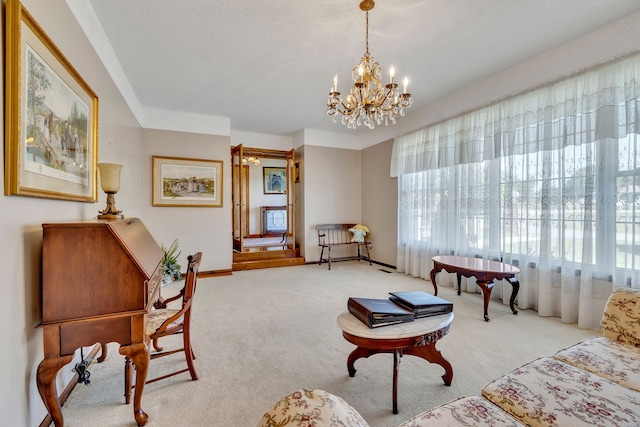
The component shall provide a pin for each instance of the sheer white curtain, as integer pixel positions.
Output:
(548, 181)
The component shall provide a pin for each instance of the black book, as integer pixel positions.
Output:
(378, 312)
(422, 304)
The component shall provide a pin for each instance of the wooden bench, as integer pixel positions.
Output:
(330, 235)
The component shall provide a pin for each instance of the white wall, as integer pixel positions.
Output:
(330, 139)
(261, 140)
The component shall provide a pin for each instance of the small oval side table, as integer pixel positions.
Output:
(417, 338)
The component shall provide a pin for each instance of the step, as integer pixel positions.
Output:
(264, 255)
(267, 263)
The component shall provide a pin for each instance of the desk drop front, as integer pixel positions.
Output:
(99, 279)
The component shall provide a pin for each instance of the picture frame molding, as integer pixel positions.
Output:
(52, 171)
(179, 167)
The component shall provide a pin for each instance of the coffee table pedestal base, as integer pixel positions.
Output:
(423, 346)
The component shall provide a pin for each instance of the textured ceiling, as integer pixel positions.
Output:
(268, 65)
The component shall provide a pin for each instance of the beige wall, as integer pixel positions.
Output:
(335, 186)
(380, 202)
(301, 237)
(21, 232)
(331, 193)
(207, 230)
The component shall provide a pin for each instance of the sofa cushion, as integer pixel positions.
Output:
(465, 411)
(548, 392)
(621, 319)
(614, 360)
(312, 408)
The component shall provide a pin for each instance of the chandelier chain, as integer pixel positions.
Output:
(366, 33)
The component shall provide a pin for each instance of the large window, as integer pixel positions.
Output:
(548, 181)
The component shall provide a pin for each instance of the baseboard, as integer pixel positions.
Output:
(373, 261)
(70, 386)
(214, 273)
(383, 264)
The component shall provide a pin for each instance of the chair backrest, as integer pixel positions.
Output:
(191, 277)
(334, 234)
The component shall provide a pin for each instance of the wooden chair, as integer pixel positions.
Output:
(165, 321)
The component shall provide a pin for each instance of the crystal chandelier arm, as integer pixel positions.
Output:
(348, 106)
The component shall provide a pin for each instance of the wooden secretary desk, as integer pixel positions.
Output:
(99, 279)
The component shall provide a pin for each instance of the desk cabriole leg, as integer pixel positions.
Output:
(103, 352)
(139, 355)
(46, 381)
(459, 277)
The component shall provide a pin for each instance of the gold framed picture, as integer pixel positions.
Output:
(51, 117)
(181, 182)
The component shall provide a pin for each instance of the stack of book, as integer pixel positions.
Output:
(422, 303)
(399, 308)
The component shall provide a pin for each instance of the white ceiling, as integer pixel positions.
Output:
(268, 65)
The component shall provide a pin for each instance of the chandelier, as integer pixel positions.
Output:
(369, 102)
(251, 160)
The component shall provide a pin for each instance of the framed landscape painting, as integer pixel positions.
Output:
(51, 115)
(183, 182)
(274, 180)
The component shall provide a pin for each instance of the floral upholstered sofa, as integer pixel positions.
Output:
(595, 382)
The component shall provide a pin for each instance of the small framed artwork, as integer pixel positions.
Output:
(181, 182)
(296, 167)
(274, 180)
(51, 117)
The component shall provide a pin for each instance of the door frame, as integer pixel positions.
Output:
(240, 212)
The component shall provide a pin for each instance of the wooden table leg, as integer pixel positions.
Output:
(431, 354)
(356, 354)
(139, 355)
(432, 275)
(516, 287)
(486, 293)
(396, 362)
(46, 381)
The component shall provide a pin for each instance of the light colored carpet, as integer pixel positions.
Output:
(260, 334)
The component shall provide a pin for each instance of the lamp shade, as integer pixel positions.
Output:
(109, 177)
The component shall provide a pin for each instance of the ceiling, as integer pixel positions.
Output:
(268, 65)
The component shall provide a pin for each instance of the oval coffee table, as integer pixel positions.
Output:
(417, 338)
(485, 272)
